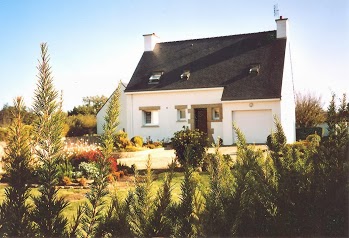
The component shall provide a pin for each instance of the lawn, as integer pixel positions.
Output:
(76, 196)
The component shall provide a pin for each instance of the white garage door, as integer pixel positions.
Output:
(255, 125)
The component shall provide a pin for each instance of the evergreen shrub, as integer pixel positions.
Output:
(137, 141)
(194, 140)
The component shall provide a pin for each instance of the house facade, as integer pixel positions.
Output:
(122, 114)
(212, 83)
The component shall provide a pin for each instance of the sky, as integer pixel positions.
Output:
(95, 44)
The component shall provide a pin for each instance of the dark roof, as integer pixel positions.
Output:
(216, 62)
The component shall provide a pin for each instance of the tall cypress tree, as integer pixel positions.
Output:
(93, 215)
(15, 209)
(48, 149)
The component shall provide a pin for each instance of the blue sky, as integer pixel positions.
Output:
(94, 44)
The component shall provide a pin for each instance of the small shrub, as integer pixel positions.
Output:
(137, 141)
(150, 146)
(190, 141)
(121, 141)
(85, 156)
(111, 178)
(89, 170)
(157, 144)
(314, 139)
(66, 181)
(113, 164)
(82, 182)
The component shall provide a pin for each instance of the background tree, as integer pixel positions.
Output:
(48, 128)
(309, 112)
(6, 115)
(91, 105)
(15, 210)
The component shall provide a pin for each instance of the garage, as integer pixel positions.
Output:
(256, 125)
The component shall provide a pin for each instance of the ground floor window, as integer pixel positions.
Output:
(150, 118)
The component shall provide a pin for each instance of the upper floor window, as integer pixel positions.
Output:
(155, 78)
(185, 75)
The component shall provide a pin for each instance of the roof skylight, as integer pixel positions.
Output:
(155, 78)
(185, 75)
(254, 69)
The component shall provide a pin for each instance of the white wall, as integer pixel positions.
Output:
(288, 114)
(167, 100)
(235, 106)
(122, 116)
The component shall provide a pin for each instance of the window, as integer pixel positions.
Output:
(147, 116)
(155, 78)
(185, 75)
(254, 69)
(216, 115)
(182, 114)
(151, 118)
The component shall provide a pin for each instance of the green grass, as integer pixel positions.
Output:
(77, 196)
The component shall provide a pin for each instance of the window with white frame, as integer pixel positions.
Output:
(181, 114)
(150, 118)
(216, 114)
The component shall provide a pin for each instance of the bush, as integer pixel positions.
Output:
(85, 156)
(137, 141)
(82, 182)
(66, 181)
(314, 138)
(190, 141)
(89, 170)
(121, 141)
(113, 164)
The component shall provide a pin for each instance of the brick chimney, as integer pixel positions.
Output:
(281, 27)
(150, 41)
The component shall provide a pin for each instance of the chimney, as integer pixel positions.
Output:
(150, 41)
(281, 27)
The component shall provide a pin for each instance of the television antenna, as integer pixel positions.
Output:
(276, 11)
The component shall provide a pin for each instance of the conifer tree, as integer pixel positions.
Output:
(48, 128)
(333, 174)
(189, 210)
(252, 203)
(161, 222)
(218, 214)
(15, 209)
(141, 206)
(93, 215)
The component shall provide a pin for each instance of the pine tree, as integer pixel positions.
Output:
(15, 209)
(93, 215)
(48, 128)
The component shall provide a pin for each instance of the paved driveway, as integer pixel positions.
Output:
(160, 158)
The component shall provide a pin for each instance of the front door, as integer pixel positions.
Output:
(201, 119)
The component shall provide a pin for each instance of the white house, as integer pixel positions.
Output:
(211, 83)
(122, 116)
